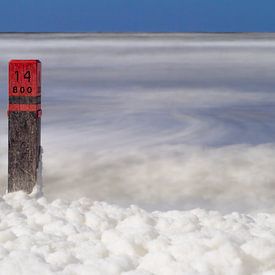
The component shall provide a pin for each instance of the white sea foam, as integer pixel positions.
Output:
(176, 121)
(85, 237)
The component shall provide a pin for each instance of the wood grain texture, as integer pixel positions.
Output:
(24, 150)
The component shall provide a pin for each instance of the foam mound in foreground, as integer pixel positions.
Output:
(85, 237)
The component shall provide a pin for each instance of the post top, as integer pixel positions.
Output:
(32, 61)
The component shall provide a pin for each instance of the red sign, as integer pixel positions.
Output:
(25, 86)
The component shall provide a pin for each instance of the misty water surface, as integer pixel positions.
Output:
(165, 121)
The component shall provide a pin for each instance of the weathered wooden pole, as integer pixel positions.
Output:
(24, 114)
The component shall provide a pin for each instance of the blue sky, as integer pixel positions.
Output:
(137, 15)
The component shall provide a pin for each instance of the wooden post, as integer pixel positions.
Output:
(24, 113)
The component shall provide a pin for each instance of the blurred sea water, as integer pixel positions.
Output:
(165, 121)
